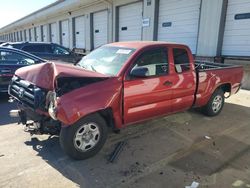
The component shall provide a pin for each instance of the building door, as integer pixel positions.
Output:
(45, 33)
(100, 28)
(80, 32)
(65, 33)
(179, 22)
(236, 41)
(53, 33)
(38, 34)
(130, 22)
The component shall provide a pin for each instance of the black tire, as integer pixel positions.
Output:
(68, 137)
(209, 110)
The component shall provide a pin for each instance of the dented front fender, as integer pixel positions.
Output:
(89, 99)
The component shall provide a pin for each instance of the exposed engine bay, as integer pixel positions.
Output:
(68, 84)
(37, 106)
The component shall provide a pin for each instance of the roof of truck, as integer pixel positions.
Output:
(142, 44)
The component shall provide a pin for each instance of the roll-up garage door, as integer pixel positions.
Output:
(45, 33)
(38, 34)
(31, 34)
(236, 41)
(24, 35)
(21, 35)
(130, 22)
(65, 33)
(179, 21)
(53, 33)
(14, 36)
(17, 36)
(100, 28)
(80, 32)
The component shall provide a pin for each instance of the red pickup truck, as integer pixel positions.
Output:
(114, 86)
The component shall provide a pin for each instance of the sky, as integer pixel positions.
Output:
(12, 10)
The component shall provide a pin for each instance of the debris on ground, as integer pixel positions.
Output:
(193, 185)
(115, 154)
(238, 183)
(134, 169)
(208, 137)
(1, 155)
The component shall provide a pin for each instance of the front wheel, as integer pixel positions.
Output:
(85, 138)
(215, 103)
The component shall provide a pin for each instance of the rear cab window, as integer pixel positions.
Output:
(181, 60)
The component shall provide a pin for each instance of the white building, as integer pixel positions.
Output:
(211, 28)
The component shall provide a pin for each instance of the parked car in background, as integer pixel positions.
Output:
(48, 51)
(10, 61)
(117, 85)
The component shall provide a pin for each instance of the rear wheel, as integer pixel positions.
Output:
(215, 103)
(85, 138)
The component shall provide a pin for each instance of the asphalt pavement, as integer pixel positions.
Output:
(173, 151)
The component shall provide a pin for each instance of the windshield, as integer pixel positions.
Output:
(106, 60)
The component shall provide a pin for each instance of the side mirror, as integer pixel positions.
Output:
(139, 72)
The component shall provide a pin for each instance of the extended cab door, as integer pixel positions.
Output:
(184, 86)
(149, 93)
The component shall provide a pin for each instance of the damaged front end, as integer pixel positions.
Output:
(37, 89)
(32, 109)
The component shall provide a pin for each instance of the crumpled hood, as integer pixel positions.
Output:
(44, 75)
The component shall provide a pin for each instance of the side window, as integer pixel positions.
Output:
(12, 58)
(154, 61)
(181, 60)
(35, 48)
(58, 50)
(49, 48)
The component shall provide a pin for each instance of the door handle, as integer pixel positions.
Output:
(168, 83)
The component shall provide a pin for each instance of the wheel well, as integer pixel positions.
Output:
(107, 115)
(226, 87)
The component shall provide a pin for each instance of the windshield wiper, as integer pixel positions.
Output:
(93, 68)
(82, 66)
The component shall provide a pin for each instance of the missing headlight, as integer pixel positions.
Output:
(51, 104)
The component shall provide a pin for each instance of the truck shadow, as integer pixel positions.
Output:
(212, 156)
(5, 107)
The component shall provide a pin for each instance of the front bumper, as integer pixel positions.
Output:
(28, 94)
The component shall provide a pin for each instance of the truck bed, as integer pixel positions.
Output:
(211, 75)
(204, 65)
